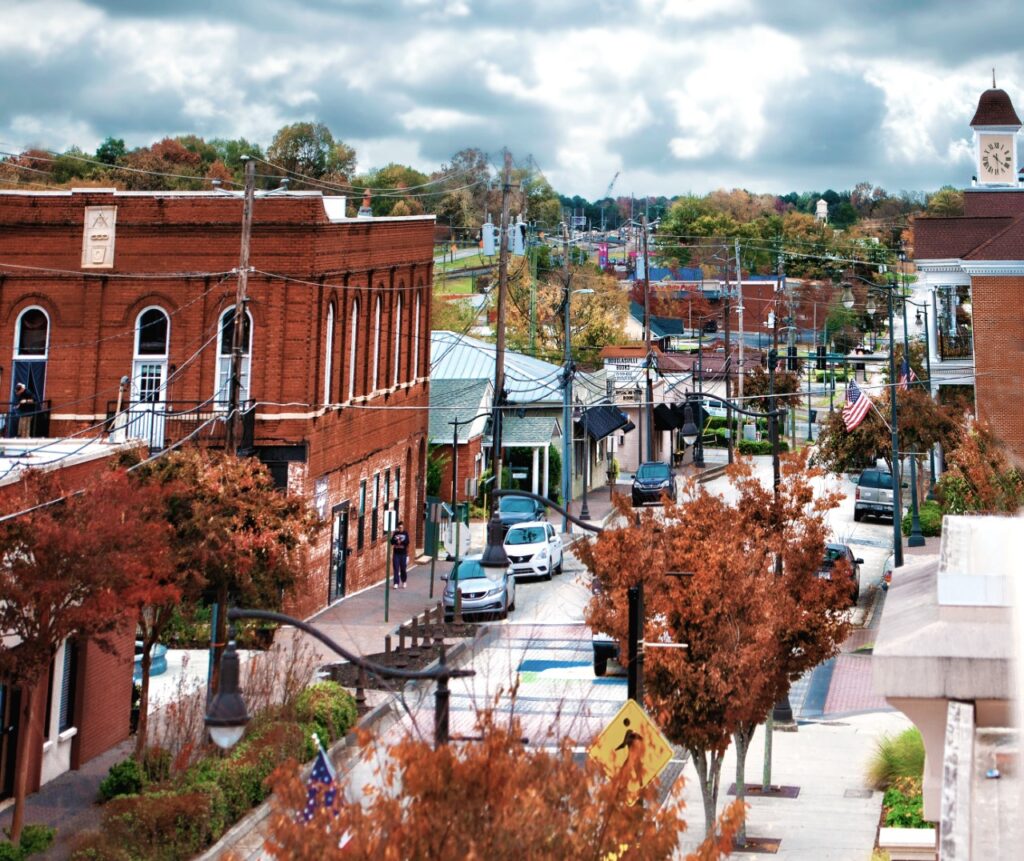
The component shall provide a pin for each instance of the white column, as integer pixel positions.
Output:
(547, 464)
(534, 478)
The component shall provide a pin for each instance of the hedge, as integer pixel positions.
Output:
(930, 515)
(764, 446)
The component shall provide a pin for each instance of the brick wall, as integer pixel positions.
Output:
(467, 468)
(998, 320)
(103, 696)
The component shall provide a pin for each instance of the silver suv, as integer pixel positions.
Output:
(874, 494)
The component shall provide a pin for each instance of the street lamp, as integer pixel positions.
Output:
(689, 430)
(582, 413)
(227, 715)
(923, 306)
(567, 375)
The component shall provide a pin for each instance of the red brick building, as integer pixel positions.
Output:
(971, 272)
(98, 285)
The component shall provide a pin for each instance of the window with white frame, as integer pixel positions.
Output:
(328, 353)
(352, 342)
(416, 341)
(226, 340)
(375, 377)
(398, 343)
(33, 330)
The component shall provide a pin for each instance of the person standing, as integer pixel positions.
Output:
(400, 554)
(26, 407)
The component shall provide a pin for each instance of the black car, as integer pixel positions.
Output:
(652, 479)
(833, 554)
(519, 509)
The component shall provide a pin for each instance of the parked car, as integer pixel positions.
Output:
(874, 494)
(606, 649)
(534, 550)
(519, 509)
(841, 552)
(652, 479)
(485, 591)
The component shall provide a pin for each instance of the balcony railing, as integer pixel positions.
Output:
(955, 346)
(13, 421)
(165, 423)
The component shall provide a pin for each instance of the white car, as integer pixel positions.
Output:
(534, 549)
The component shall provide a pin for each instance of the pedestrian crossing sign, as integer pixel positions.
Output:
(632, 726)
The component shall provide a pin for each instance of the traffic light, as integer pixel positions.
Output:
(791, 363)
(820, 363)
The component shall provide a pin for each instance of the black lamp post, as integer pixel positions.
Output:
(919, 319)
(227, 715)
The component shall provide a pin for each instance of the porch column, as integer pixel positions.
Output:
(547, 464)
(534, 478)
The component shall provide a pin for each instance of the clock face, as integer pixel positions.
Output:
(997, 157)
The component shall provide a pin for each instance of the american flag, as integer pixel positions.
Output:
(321, 784)
(907, 375)
(857, 406)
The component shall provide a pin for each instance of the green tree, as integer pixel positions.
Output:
(946, 201)
(311, 150)
(111, 150)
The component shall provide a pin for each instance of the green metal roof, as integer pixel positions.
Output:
(528, 431)
(456, 399)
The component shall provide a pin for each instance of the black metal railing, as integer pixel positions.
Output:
(958, 346)
(34, 422)
(165, 423)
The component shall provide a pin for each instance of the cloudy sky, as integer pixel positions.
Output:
(678, 95)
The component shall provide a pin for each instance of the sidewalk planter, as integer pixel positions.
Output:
(908, 844)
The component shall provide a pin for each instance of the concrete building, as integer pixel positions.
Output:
(97, 285)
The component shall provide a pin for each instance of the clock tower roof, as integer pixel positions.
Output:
(995, 109)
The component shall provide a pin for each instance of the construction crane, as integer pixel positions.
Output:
(608, 194)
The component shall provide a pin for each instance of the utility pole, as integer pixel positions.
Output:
(234, 428)
(566, 386)
(739, 313)
(727, 365)
(649, 395)
(499, 347)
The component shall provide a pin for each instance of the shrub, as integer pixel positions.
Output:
(160, 826)
(896, 757)
(764, 446)
(328, 705)
(930, 515)
(34, 839)
(156, 765)
(903, 803)
(124, 778)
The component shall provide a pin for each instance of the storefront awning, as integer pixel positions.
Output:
(601, 420)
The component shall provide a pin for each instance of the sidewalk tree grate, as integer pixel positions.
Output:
(858, 793)
(762, 845)
(755, 790)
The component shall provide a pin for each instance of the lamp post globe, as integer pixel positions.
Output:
(227, 715)
(689, 430)
(847, 297)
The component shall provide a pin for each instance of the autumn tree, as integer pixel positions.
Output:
(748, 631)
(757, 384)
(495, 798)
(67, 560)
(241, 538)
(979, 476)
(311, 150)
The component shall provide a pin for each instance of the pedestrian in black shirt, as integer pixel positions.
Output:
(400, 554)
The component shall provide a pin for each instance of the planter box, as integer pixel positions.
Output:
(909, 844)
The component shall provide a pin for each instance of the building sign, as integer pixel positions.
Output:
(98, 239)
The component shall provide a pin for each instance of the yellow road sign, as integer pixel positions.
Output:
(632, 726)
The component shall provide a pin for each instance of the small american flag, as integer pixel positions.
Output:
(857, 406)
(321, 784)
(907, 375)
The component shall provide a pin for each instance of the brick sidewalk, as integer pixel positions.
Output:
(852, 688)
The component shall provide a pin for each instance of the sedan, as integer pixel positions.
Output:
(534, 550)
(519, 509)
(835, 553)
(485, 591)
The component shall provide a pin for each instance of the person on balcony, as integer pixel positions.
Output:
(25, 408)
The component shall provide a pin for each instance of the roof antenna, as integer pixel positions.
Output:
(993, 77)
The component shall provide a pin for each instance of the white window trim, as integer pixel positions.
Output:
(329, 353)
(138, 334)
(398, 343)
(376, 348)
(244, 391)
(17, 335)
(353, 339)
(416, 342)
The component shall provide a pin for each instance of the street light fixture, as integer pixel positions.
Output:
(689, 430)
(847, 298)
(227, 715)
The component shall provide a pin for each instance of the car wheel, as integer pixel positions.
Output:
(448, 619)
(636, 501)
(558, 567)
(512, 606)
(858, 515)
(600, 666)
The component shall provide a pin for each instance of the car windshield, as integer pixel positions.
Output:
(649, 471)
(515, 503)
(530, 535)
(874, 478)
(471, 569)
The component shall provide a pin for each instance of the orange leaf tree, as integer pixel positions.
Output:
(64, 569)
(495, 799)
(749, 633)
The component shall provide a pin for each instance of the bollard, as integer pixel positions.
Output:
(414, 649)
(361, 688)
(387, 644)
(401, 639)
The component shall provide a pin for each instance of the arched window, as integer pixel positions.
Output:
(352, 342)
(224, 347)
(33, 330)
(152, 331)
(375, 379)
(416, 341)
(328, 353)
(397, 359)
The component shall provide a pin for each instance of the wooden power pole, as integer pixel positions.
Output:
(234, 429)
(499, 347)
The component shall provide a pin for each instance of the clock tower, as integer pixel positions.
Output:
(996, 125)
